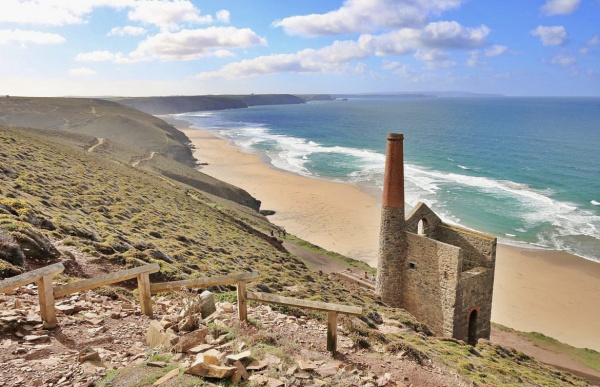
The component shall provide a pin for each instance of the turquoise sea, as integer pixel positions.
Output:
(524, 169)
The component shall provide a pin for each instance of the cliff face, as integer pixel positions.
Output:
(183, 104)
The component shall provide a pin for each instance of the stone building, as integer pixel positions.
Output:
(442, 274)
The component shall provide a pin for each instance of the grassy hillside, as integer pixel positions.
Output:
(58, 201)
(121, 133)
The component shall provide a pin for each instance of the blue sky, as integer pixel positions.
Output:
(185, 47)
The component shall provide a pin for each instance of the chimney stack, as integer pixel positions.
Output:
(391, 237)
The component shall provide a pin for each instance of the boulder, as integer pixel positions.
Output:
(200, 368)
(208, 304)
(156, 336)
(191, 340)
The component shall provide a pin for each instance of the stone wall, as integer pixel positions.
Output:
(474, 292)
(429, 283)
(432, 221)
(478, 249)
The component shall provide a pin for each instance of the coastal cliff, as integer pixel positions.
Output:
(194, 103)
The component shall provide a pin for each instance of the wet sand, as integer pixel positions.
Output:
(551, 292)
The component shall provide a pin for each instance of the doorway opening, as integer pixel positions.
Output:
(472, 335)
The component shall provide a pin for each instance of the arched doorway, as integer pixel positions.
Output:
(472, 335)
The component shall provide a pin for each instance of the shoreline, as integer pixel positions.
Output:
(551, 292)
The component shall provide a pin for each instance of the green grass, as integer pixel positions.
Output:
(587, 356)
(330, 254)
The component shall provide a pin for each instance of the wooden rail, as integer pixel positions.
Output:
(43, 277)
(331, 309)
(143, 278)
(202, 282)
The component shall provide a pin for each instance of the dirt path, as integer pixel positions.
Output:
(136, 163)
(558, 360)
(93, 147)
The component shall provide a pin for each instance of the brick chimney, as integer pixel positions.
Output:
(391, 236)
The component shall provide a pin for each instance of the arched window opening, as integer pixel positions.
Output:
(472, 335)
(422, 227)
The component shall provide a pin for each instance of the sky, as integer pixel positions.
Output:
(193, 47)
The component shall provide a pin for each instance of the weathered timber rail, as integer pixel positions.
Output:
(331, 309)
(47, 294)
(143, 279)
(43, 277)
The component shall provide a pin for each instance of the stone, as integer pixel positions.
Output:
(207, 304)
(155, 336)
(36, 338)
(158, 364)
(88, 354)
(92, 367)
(199, 368)
(241, 370)
(191, 340)
(211, 354)
(327, 370)
(257, 365)
(384, 380)
(239, 356)
(306, 365)
(227, 307)
(200, 348)
(169, 375)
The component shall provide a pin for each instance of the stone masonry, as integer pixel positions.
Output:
(443, 274)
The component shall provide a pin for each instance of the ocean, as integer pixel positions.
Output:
(526, 170)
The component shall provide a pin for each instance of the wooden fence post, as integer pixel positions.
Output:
(46, 298)
(332, 331)
(242, 304)
(145, 295)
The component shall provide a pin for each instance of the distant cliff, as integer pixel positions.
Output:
(183, 104)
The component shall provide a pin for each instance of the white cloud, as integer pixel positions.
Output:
(24, 37)
(329, 59)
(194, 44)
(335, 58)
(82, 71)
(182, 45)
(437, 35)
(560, 7)
(166, 14)
(127, 30)
(473, 60)
(52, 12)
(366, 16)
(390, 65)
(551, 36)
(495, 50)
(563, 60)
(223, 54)
(434, 59)
(594, 41)
(223, 16)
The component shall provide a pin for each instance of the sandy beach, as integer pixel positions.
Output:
(551, 292)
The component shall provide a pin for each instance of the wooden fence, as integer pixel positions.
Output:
(47, 293)
(331, 309)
